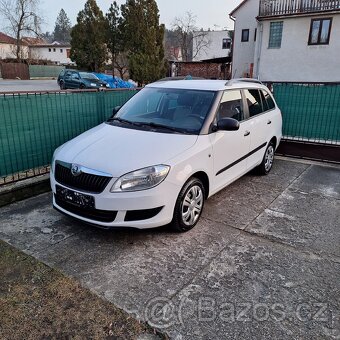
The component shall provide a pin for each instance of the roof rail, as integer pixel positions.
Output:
(244, 80)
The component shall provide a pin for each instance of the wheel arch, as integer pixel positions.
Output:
(203, 177)
(274, 140)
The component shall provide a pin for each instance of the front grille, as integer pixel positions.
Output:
(84, 182)
(92, 214)
(140, 215)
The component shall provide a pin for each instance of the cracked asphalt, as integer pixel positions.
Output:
(263, 263)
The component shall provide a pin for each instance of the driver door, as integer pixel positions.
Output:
(230, 148)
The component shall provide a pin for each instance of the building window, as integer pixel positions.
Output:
(275, 34)
(49, 50)
(245, 35)
(226, 43)
(54, 50)
(320, 31)
(61, 50)
(68, 52)
(255, 34)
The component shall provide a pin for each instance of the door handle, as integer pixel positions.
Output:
(269, 122)
(247, 133)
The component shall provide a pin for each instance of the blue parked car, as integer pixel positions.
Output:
(72, 79)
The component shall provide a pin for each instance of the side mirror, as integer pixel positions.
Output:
(115, 110)
(227, 124)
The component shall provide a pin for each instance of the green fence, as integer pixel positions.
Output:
(34, 125)
(310, 112)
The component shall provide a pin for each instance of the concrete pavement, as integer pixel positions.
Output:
(28, 85)
(263, 263)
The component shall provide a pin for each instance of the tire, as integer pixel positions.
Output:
(82, 86)
(267, 161)
(188, 209)
(62, 86)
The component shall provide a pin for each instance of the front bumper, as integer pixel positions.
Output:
(129, 204)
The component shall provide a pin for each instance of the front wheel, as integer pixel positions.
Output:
(189, 205)
(268, 160)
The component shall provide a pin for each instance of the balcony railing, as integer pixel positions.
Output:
(296, 7)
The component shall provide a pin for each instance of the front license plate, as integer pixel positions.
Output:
(75, 198)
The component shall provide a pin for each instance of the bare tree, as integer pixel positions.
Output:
(121, 64)
(186, 33)
(22, 18)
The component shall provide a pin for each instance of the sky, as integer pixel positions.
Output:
(213, 14)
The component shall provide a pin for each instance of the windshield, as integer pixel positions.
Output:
(171, 110)
(86, 75)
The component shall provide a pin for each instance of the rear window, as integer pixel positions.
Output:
(253, 98)
(269, 100)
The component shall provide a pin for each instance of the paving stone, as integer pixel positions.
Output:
(320, 180)
(32, 225)
(256, 289)
(302, 219)
(129, 267)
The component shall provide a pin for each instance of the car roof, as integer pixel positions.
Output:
(208, 85)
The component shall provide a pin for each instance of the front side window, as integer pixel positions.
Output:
(75, 76)
(89, 76)
(275, 34)
(166, 110)
(320, 31)
(231, 106)
(253, 98)
(245, 35)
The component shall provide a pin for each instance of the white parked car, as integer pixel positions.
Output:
(168, 149)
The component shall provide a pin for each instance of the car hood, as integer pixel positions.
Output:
(117, 151)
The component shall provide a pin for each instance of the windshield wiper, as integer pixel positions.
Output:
(121, 120)
(165, 127)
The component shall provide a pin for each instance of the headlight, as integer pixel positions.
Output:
(93, 84)
(143, 179)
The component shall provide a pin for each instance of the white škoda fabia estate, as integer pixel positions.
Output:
(164, 152)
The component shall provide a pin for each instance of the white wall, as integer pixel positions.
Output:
(214, 50)
(42, 52)
(243, 54)
(9, 51)
(296, 60)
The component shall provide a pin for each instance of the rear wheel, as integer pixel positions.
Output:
(268, 160)
(189, 206)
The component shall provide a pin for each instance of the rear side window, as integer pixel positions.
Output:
(231, 106)
(253, 98)
(268, 100)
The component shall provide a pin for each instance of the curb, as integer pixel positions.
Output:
(24, 189)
